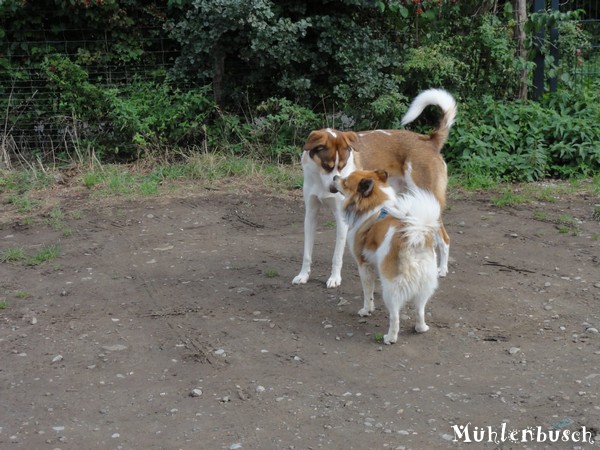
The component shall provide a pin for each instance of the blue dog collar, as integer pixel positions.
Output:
(382, 213)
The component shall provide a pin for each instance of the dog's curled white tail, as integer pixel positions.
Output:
(421, 214)
(439, 97)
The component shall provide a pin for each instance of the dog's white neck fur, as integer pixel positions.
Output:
(331, 132)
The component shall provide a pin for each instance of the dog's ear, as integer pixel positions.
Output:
(315, 139)
(382, 175)
(365, 187)
(350, 137)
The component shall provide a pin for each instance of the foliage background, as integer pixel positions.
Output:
(121, 79)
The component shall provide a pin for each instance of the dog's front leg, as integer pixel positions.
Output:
(341, 232)
(367, 279)
(312, 206)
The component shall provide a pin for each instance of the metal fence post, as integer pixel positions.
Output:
(554, 48)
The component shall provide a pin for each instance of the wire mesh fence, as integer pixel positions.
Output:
(36, 79)
(585, 62)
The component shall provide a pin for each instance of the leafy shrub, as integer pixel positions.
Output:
(152, 113)
(526, 141)
(274, 131)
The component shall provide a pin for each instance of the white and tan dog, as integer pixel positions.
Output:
(393, 238)
(328, 153)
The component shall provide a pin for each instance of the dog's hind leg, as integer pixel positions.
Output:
(442, 241)
(341, 232)
(312, 205)
(420, 325)
(429, 285)
(367, 279)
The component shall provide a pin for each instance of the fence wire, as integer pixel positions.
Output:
(585, 64)
(32, 125)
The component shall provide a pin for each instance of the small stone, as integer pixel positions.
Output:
(196, 392)
(57, 358)
(235, 446)
(33, 321)
(115, 435)
(514, 350)
(592, 330)
(260, 389)
(220, 352)
(59, 428)
(114, 348)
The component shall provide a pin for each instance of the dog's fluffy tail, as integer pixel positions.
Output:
(444, 101)
(420, 212)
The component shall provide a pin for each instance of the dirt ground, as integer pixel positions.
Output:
(149, 300)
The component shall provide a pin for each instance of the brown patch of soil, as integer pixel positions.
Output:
(152, 299)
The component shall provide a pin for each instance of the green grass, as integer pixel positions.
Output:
(22, 294)
(566, 219)
(271, 273)
(563, 229)
(45, 254)
(16, 254)
(205, 169)
(3, 305)
(21, 181)
(540, 215)
(508, 198)
(56, 221)
(91, 179)
(472, 182)
(378, 337)
(23, 203)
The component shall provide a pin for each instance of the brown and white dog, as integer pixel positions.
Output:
(328, 153)
(393, 238)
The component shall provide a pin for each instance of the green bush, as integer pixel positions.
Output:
(274, 131)
(525, 140)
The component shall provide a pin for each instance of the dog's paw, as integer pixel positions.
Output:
(301, 278)
(334, 281)
(442, 272)
(364, 312)
(387, 339)
(421, 328)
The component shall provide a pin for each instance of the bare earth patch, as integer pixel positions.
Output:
(172, 323)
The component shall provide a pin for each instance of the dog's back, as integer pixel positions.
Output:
(403, 239)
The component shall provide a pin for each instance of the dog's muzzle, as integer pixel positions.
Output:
(332, 187)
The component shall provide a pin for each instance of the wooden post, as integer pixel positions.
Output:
(538, 74)
(520, 19)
